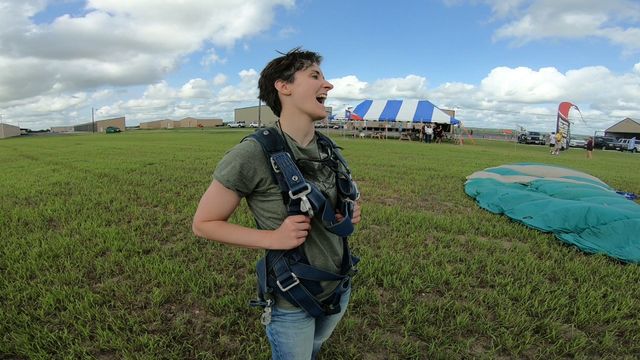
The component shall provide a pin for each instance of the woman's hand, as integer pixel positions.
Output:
(355, 217)
(292, 233)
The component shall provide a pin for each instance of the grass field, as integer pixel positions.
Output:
(97, 258)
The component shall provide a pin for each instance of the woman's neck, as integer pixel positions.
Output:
(300, 130)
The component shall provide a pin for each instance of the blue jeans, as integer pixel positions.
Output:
(294, 334)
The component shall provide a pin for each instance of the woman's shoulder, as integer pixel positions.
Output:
(247, 151)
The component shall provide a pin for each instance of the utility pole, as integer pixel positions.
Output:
(259, 119)
(93, 122)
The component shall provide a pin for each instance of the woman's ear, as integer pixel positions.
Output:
(283, 87)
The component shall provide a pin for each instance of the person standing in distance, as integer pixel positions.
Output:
(589, 147)
(294, 87)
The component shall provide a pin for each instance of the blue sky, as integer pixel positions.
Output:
(499, 64)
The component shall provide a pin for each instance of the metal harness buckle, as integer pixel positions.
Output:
(305, 204)
(275, 167)
(274, 164)
(295, 282)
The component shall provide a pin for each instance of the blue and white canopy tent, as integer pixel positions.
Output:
(410, 111)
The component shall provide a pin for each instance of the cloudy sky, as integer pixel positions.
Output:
(498, 63)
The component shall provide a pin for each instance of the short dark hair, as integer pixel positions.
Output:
(283, 68)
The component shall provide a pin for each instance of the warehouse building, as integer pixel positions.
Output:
(7, 130)
(261, 115)
(625, 129)
(158, 124)
(188, 122)
(101, 125)
(61, 129)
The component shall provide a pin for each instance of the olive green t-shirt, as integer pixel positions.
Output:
(246, 170)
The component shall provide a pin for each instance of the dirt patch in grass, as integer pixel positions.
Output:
(106, 355)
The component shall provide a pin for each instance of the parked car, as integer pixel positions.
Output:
(254, 125)
(605, 143)
(626, 146)
(531, 137)
(579, 143)
(112, 130)
(235, 124)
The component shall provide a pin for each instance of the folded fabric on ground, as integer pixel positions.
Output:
(577, 208)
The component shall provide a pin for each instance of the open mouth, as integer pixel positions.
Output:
(321, 99)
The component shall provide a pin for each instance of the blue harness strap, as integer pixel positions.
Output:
(287, 272)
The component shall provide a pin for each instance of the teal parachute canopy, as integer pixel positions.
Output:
(577, 208)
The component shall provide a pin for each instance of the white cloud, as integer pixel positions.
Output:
(509, 96)
(348, 87)
(211, 58)
(249, 76)
(542, 19)
(287, 32)
(502, 8)
(102, 95)
(219, 79)
(245, 91)
(51, 70)
(530, 97)
(161, 90)
(116, 42)
(195, 88)
(411, 86)
(522, 85)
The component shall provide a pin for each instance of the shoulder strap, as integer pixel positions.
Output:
(300, 196)
(269, 139)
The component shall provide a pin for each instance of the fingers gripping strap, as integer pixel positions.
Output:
(306, 198)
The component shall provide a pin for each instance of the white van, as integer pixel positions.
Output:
(626, 146)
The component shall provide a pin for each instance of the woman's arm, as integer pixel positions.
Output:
(216, 206)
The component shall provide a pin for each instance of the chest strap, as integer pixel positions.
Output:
(303, 197)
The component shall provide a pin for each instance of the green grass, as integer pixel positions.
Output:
(97, 258)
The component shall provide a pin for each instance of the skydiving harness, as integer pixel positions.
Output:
(287, 273)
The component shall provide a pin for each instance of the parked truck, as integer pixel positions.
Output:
(532, 137)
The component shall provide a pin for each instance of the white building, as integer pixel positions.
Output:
(7, 130)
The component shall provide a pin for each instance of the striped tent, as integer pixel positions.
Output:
(415, 111)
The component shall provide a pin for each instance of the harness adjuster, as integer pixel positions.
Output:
(304, 192)
(294, 281)
(274, 165)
